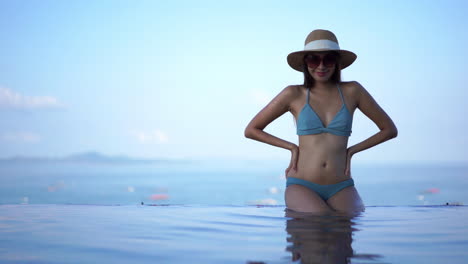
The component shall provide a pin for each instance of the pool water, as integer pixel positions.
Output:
(53, 212)
(47, 233)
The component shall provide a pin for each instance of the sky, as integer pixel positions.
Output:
(182, 79)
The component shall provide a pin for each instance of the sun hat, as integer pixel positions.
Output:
(320, 40)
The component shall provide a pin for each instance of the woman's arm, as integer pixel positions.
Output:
(277, 107)
(374, 112)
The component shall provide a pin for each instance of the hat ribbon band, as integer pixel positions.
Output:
(322, 44)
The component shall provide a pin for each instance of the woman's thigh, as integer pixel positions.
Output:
(347, 200)
(302, 199)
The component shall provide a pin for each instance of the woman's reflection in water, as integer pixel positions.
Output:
(322, 238)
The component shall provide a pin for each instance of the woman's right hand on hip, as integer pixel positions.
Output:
(292, 169)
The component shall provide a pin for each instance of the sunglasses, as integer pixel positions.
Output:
(313, 61)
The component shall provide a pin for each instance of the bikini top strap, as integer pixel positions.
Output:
(341, 94)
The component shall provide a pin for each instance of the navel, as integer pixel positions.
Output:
(324, 165)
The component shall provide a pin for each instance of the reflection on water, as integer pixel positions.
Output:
(37, 234)
(322, 238)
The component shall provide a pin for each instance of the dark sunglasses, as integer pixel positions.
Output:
(313, 61)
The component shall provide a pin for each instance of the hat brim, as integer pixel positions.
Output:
(296, 59)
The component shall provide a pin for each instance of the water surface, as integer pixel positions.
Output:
(230, 234)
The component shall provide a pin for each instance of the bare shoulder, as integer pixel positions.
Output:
(291, 92)
(352, 88)
(288, 97)
(352, 91)
(279, 105)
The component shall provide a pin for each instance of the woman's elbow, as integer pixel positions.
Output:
(249, 132)
(392, 132)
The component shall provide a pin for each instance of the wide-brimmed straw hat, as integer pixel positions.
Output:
(320, 40)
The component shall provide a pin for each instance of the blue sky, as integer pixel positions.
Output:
(181, 79)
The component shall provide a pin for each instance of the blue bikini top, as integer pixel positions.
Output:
(309, 123)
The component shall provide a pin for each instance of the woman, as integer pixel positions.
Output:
(318, 176)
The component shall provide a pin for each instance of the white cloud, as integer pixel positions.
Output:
(22, 137)
(156, 136)
(13, 100)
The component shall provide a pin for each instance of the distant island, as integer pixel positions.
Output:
(91, 157)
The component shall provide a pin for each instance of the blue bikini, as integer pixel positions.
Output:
(309, 123)
(324, 191)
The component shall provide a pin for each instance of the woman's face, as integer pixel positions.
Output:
(321, 65)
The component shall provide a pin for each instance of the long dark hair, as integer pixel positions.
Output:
(309, 80)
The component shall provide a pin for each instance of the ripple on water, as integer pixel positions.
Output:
(229, 234)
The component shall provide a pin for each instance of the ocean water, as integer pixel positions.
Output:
(56, 212)
(199, 183)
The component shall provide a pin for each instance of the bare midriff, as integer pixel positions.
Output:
(322, 158)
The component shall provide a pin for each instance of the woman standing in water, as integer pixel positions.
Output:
(319, 174)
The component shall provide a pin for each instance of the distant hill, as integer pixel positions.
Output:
(91, 157)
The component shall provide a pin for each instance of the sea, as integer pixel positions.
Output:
(227, 212)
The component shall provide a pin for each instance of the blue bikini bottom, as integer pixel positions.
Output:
(324, 191)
